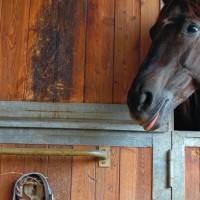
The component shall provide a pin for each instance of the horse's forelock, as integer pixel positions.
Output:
(192, 7)
(189, 7)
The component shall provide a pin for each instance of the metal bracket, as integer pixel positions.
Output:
(105, 162)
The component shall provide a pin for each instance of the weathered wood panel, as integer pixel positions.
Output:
(149, 14)
(137, 184)
(108, 179)
(11, 168)
(1, 1)
(75, 51)
(1, 182)
(127, 45)
(35, 9)
(99, 51)
(83, 177)
(56, 51)
(192, 173)
(60, 174)
(13, 42)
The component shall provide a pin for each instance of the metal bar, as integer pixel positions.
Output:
(170, 168)
(178, 149)
(53, 152)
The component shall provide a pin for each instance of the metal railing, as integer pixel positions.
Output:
(53, 152)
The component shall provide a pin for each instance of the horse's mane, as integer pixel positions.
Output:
(191, 7)
(187, 115)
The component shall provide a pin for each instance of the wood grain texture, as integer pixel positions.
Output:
(94, 47)
(56, 71)
(13, 42)
(1, 181)
(133, 179)
(12, 167)
(36, 163)
(127, 45)
(192, 173)
(1, 1)
(60, 174)
(43, 52)
(69, 73)
(78, 52)
(148, 19)
(99, 51)
(144, 175)
(107, 179)
(83, 177)
(35, 10)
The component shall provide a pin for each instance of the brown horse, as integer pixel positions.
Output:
(170, 74)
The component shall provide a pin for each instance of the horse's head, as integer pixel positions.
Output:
(171, 71)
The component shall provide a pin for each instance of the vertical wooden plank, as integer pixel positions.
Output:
(41, 79)
(12, 167)
(30, 161)
(36, 163)
(99, 51)
(78, 51)
(13, 41)
(192, 173)
(133, 171)
(35, 12)
(107, 179)
(149, 13)
(69, 82)
(0, 12)
(59, 174)
(56, 72)
(1, 181)
(144, 174)
(83, 177)
(127, 46)
(128, 173)
(99, 83)
(69, 58)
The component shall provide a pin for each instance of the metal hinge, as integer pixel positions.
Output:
(170, 168)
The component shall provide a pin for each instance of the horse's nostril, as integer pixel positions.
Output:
(143, 98)
(146, 99)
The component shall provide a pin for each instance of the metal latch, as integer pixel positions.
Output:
(170, 167)
(105, 162)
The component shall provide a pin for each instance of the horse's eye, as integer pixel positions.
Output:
(193, 28)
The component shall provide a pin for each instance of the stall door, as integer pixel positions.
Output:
(185, 165)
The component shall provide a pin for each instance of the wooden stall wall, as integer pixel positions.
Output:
(192, 173)
(76, 51)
